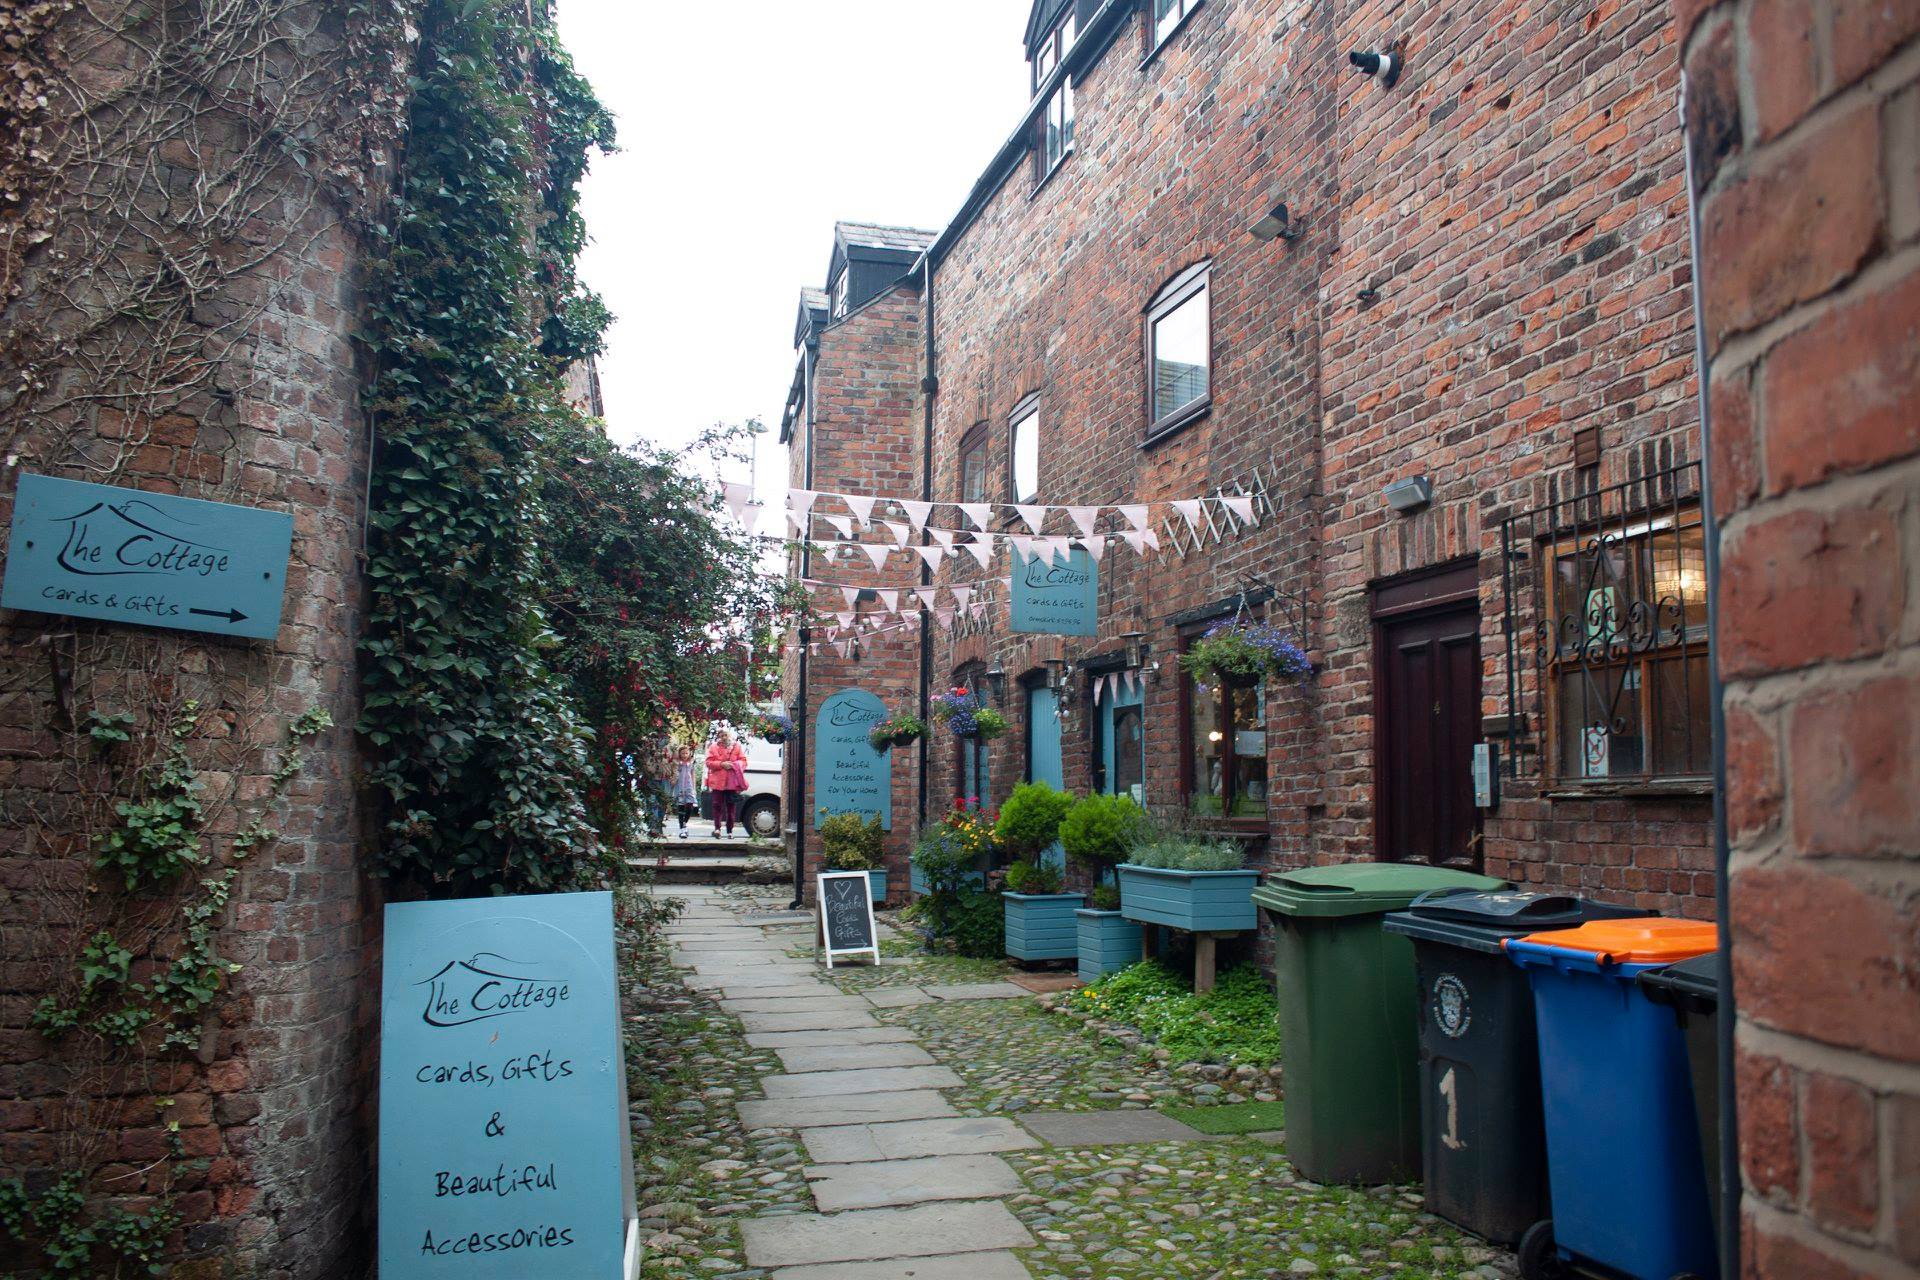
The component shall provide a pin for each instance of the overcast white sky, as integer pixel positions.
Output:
(746, 130)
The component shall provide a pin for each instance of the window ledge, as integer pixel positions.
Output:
(1673, 788)
(1172, 35)
(1174, 424)
(1058, 165)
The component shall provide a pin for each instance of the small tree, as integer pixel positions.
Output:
(1030, 819)
(1097, 831)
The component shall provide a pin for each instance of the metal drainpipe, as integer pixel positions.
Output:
(929, 385)
(1729, 1225)
(800, 718)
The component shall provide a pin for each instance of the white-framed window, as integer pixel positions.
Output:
(1167, 17)
(840, 294)
(1179, 351)
(1023, 453)
(1056, 123)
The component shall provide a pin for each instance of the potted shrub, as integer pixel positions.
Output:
(1040, 921)
(953, 855)
(1188, 881)
(849, 842)
(1095, 834)
(896, 731)
(1241, 652)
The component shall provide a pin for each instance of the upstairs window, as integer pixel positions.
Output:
(1056, 122)
(1023, 452)
(1179, 352)
(840, 294)
(974, 485)
(1167, 17)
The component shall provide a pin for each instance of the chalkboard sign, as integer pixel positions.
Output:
(1055, 597)
(504, 1148)
(849, 776)
(126, 555)
(846, 914)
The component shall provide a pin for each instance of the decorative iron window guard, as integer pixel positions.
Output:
(1606, 637)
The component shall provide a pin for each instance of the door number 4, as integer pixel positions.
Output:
(1450, 1090)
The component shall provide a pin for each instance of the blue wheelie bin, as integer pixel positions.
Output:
(1629, 1186)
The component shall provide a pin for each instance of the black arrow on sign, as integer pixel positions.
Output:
(231, 615)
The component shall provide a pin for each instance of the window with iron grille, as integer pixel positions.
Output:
(1607, 648)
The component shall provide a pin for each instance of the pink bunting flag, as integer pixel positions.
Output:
(1084, 519)
(862, 507)
(917, 512)
(844, 618)
(851, 595)
(800, 500)
(1189, 509)
(750, 515)
(1099, 689)
(1035, 516)
(737, 496)
(928, 596)
(944, 617)
(877, 552)
(961, 594)
(943, 536)
(1096, 548)
(843, 523)
(983, 552)
(1152, 538)
(932, 557)
(1137, 539)
(1022, 545)
(1240, 504)
(890, 599)
(978, 512)
(899, 531)
(1135, 514)
(797, 523)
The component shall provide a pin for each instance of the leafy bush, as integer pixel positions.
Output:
(1169, 844)
(849, 842)
(1105, 897)
(1237, 1023)
(1030, 819)
(1098, 828)
(977, 926)
(1245, 651)
(1034, 877)
(948, 851)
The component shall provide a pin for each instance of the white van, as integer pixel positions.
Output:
(761, 810)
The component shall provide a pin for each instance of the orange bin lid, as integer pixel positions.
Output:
(1642, 940)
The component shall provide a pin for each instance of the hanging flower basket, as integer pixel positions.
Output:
(774, 728)
(896, 731)
(965, 716)
(1244, 653)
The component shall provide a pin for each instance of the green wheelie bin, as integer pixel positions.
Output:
(1349, 1016)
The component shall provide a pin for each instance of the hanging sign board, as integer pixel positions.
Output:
(846, 915)
(849, 776)
(1055, 597)
(151, 559)
(504, 1148)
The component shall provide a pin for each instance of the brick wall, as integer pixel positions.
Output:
(865, 437)
(1805, 121)
(276, 1101)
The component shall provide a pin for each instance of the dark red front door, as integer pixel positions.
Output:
(1428, 701)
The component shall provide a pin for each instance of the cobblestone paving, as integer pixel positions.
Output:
(1231, 1208)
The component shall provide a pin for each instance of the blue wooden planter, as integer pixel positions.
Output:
(878, 879)
(1040, 926)
(1108, 941)
(1198, 901)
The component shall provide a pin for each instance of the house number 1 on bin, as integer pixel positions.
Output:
(1451, 1092)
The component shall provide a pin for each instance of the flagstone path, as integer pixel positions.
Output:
(913, 1128)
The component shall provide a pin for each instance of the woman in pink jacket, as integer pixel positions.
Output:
(726, 779)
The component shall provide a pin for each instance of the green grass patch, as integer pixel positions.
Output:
(1235, 1118)
(1237, 1023)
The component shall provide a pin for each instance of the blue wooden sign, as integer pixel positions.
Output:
(849, 776)
(503, 1096)
(126, 555)
(1055, 597)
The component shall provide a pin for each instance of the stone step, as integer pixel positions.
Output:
(862, 1235)
(878, 1184)
(823, 1038)
(996, 1265)
(909, 1139)
(843, 1057)
(827, 1021)
(859, 1109)
(814, 1084)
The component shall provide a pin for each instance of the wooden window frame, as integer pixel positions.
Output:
(1171, 297)
(976, 440)
(1029, 406)
(1229, 768)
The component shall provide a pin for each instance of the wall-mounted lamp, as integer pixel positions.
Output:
(1136, 649)
(1057, 671)
(1277, 224)
(996, 678)
(1385, 63)
(1409, 495)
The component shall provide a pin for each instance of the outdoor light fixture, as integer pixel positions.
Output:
(1136, 649)
(996, 678)
(1384, 63)
(1277, 224)
(1409, 495)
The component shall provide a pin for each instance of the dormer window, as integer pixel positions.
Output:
(840, 294)
(1056, 122)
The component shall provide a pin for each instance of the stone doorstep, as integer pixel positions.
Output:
(843, 1057)
(866, 1234)
(911, 1139)
(814, 1084)
(826, 1020)
(855, 1110)
(1109, 1128)
(996, 1265)
(827, 1038)
(878, 1184)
